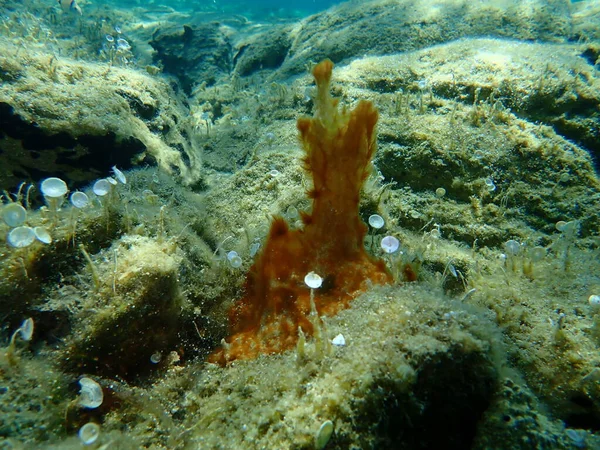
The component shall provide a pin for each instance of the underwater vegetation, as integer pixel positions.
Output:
(275, 310)
(209, 241)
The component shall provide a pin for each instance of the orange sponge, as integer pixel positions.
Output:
(339, 146)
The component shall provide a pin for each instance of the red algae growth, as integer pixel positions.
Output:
(339, 147)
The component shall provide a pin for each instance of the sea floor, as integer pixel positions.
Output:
(486, 171)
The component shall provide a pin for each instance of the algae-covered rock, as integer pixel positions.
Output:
(515, 420)
(26, 273)
(194, 53)
(549, 327)
(98, 260)
(266, 50)
(35, 396)
(448, 122)
(454, 117)
(353, 29)
(409, 360)
(136, 310)
(75, 119)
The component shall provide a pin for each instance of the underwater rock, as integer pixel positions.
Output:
(381, 27)
(456, 118)
(515, 419)
(417, 372)
(266, 50)
(448, 119)
(75, 119)
(26, 273)
(136, 312)
(196, 54)
(35, 396)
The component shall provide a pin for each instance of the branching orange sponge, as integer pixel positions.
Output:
(339, 146)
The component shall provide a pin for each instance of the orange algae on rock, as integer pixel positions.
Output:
(339, 146)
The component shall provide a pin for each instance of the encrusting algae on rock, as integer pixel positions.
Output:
(339, 147)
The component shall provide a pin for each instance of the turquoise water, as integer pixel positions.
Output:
(257, 10)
